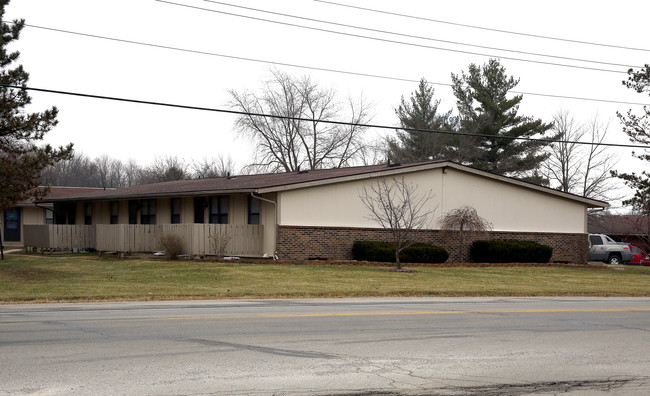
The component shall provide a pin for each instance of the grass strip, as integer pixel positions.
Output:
(38, 278)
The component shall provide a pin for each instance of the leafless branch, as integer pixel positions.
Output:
(397, 207)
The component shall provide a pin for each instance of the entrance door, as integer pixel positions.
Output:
(11, 223)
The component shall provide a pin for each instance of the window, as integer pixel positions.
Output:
(254, 207)
(219, 209)
(146, 208)
(49, 216)
(175, 204)
(133, 211)
(115, 211)
(88, 213)
(199, 210)
(65, 213)
(148, 211)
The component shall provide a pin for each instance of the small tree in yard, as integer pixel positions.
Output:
(172, 244)
(464, 219)
(397, 207)
(220, 242)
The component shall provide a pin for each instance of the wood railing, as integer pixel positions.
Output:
(197, 239)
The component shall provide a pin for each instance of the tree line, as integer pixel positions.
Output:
(104, 171)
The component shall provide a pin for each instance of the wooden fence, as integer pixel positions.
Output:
(59, 236)
(197, 239)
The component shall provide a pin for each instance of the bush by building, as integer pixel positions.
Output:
(510, 251)
(385, 252)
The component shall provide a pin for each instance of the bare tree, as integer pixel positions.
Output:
(164, 169)
(78, 171)
(577, 168)
(398, 208)
(300, 135)
(219, 166)
(109, 171)
(374, 152)
(598, 181)
(564, 161)
(133, 173)
(464, 220)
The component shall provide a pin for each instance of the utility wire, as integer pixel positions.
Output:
(418, 37)
(483, 28)
(315, 68)
(344, 123)
(388, 40)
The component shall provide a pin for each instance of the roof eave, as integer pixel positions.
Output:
(150, 196)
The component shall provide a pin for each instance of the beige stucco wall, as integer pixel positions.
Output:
(339, 205)
(33, 215)
(513, 208)
(508, 207)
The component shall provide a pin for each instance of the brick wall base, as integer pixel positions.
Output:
(334, 243)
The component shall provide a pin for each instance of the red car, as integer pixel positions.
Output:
(645, 260)
(639, 254)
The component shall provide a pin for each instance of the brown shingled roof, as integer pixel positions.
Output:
(58, 192)
(282, 181)
(244, 183)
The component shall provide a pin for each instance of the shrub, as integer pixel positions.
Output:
(424, 253)
(373, 251)
(510, 251)
(385, 252)
(172, 245)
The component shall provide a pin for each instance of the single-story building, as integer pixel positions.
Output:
(30, 212)
(319, 213)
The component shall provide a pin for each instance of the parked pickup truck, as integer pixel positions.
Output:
(603, 248)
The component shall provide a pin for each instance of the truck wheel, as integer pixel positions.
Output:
(614, 259)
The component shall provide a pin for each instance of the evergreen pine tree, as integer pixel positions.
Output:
(21, 161)
(420, 112)
(485, 109)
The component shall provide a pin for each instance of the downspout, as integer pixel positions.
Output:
(43, 207)
(275, 249)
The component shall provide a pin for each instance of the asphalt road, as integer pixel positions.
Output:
(448, 346)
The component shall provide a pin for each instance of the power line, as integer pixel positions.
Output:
(483, 28)
(417, 37)
(388, 40)
(344, 123)
(315, 68)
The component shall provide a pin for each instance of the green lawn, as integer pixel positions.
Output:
(90, 278)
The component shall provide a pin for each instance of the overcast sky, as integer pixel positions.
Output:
(69, 62)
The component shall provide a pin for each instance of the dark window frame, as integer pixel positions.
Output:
(254, 217)
(114, 208)
(88, 213)
(148, 209)
(134, 207)
(175, 210)
(65, 212)
(200, 204)
(219, 209)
